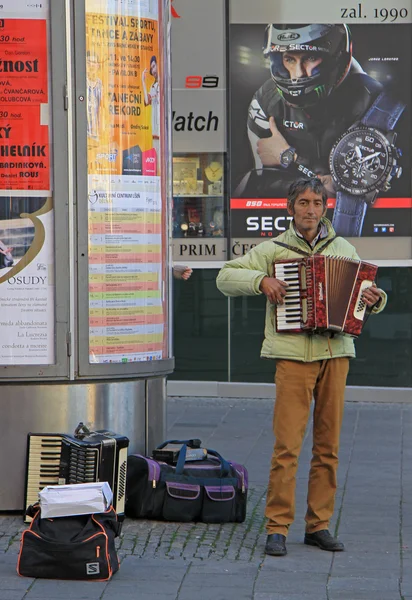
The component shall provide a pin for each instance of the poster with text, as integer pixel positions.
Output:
(126, 204)
(24, 109)
(26, 283)
(327, 101)
(27, 325)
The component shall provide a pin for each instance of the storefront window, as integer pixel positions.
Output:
(198, 206)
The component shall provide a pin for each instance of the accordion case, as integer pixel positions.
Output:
(58, 459)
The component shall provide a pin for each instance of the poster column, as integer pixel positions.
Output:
(26, 207)
(127, 246)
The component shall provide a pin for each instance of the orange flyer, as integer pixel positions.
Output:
(24, 150)
(24, 112)
(23, 62)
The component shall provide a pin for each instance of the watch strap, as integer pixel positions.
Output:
(349, 214)
(384, 112)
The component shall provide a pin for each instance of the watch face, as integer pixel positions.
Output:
(361, 160)
(286, 157)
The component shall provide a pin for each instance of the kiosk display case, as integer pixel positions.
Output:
(84, 224)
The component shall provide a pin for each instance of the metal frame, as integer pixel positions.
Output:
(83, 369)
(59, 153)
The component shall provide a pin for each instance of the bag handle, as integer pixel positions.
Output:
(193, 443)
(224, 465)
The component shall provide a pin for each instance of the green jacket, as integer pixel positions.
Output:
(242, 277)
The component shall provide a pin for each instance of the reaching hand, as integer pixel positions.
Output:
(187, 273)
(270, 149)
(274, 289)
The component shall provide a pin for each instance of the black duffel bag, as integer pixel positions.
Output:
(78, 547)
(212, 490)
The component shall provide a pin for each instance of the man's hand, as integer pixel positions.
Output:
(144, 74)
(187, 273)
(274, 289)
(270, 149)
(372, 295)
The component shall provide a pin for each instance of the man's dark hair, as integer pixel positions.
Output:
(301, 185)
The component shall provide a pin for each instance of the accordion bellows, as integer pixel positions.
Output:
(324, 294)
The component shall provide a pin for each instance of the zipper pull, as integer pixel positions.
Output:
(154, 483)
(97, 551)
(243, 483)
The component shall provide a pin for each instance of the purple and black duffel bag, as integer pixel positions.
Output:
(212, 490)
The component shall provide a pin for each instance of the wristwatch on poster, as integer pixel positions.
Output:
(363, 162)
(287, 157)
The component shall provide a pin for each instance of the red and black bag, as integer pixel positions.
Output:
(79, 547)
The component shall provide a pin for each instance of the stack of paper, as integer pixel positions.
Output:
(75, 499)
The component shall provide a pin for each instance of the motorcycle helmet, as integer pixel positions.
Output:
(332, 43)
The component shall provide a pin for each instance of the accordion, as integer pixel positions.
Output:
(324, 294)
(59, 459)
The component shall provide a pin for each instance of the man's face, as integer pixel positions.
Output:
(153, 69)
(307, 212)
(300, 64)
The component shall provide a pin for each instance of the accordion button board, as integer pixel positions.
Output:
(59, 459)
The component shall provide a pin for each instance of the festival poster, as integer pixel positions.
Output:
(123, 91)
(24, 112)
(381, 62)
(126, 231)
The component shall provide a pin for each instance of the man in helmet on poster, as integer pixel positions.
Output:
(316, 92)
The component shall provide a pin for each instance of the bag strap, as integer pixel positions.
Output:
(193, 443)
(180, 465)
(326, 244)
(293, 248)
(303, 252)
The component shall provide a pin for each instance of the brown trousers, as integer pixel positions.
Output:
(296, 383)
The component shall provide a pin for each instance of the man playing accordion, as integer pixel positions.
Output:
(307, 365)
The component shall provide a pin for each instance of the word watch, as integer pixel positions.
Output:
(363, 162)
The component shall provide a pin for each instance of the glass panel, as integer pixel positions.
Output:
(27, 328)
(246, 337)
(384, 350)
(127, 201)
(200, 328)
(198, 207)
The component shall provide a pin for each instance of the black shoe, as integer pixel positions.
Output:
(324, 540)
(276, 544)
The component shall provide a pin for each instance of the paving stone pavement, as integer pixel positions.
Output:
(182, 561)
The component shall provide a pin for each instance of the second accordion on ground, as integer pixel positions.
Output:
(324, 294)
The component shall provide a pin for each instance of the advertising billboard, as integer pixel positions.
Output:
(328, 99)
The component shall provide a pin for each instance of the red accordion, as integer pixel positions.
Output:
(324, 293)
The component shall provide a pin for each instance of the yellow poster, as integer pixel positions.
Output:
(123, 94)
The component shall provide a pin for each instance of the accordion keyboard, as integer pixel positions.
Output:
(44, 465)
(289, 315)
